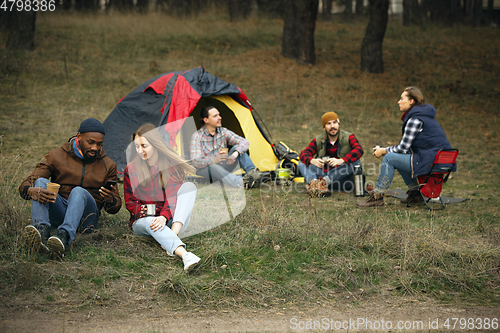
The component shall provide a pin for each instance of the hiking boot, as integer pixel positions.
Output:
(35, 239)
(190, 261)
(317, 188)
(58, 244)
(375, 200)
(413, 197)
(251, 178)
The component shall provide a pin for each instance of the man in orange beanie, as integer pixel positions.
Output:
(328, 161)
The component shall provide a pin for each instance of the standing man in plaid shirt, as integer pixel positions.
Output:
(211, 158)
(328, 161)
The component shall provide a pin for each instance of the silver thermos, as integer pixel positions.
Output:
(359, 183)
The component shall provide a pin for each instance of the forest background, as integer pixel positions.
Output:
(285, 249)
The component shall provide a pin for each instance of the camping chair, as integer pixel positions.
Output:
(431, 184)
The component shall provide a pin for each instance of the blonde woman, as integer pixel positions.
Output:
(155, 175)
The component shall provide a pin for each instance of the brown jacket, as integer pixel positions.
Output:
(62, 166)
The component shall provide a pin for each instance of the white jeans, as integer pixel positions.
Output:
(186, 195)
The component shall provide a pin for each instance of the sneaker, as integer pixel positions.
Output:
(413, 197)
(190, 261)
(375, 200)
(318, 188)
(35, 239)
(58, 244)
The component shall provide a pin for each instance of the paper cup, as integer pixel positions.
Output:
(53, 187)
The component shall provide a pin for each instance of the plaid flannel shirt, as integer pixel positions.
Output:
(412, 128)
(204, 146)
(331, 150)
(136, 196)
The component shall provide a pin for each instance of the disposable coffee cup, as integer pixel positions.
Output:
(53, 187)
(150, 209)
(224, 150)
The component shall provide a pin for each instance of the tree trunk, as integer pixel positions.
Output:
(348, 9)
(412, 14)
(360, 7)
(298, 30)
(289, 39)
(326, 15)
(473, 11)
(21, 28)
(371, 47)
(142, 6)
(445, 12)
(238, 9)
(489, 15)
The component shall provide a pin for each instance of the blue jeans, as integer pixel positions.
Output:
(216, 172)
(394, 161)
(341, 177)
(186, 195)
(78, 213)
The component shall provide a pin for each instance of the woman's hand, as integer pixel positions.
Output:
(158, 223)
(143, 211)
(378, 152)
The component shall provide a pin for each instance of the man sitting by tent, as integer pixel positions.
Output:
(83, 171)
(210, 155)
(328, 161)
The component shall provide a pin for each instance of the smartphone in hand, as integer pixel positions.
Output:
(110, 183)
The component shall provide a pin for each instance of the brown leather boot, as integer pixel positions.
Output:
(317, 188)
(374, 200)
(415, 197)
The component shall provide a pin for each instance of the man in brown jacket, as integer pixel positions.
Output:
(82, 170)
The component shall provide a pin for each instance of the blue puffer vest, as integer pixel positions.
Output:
(427, 143)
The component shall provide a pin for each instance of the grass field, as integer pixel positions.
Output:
(284, 248)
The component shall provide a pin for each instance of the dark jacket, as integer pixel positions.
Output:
(427, 143)
(62, 166)
(344, 147)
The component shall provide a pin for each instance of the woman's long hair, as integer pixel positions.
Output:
(167, 159)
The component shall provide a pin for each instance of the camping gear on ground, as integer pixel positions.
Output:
(283, 173)
(359, 181)
(168, 101)
(288, 159)
(431, 184)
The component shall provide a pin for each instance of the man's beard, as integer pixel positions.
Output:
(91, 158)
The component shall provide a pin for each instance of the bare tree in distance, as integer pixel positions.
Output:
(21, 30)
(371, 48)
(412, 14)
(238, 9)
(473, 11)
(326, 12)
(360, 7)
(445, 12)
(298, 30)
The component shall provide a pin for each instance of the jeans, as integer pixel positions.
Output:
(400, 162)
(341, 177)
(78, 213)
(216, 172)
(186, 195)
